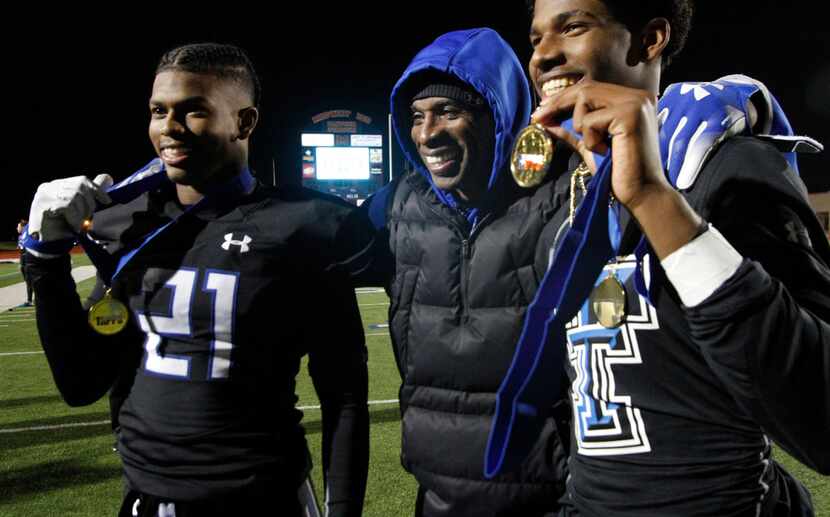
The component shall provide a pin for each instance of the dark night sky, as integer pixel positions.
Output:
(75, 88)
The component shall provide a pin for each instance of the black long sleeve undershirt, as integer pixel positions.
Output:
(84, 363)
(337, 364)
(766, 331)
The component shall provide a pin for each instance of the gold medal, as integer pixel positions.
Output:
(608, 302)
(532, 156)
(108, 316)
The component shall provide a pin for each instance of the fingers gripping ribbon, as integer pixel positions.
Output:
(61, 209)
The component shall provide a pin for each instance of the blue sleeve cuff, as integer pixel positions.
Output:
(46, 249)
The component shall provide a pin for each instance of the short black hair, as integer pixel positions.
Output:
(634, 14)
(217, 59)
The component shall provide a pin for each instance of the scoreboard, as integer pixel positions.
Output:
(343, 155)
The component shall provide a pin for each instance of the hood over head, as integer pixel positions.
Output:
(478, 60)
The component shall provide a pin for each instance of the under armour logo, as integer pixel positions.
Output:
(698, 89)
(243, 244)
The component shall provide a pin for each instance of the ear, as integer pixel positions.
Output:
(248, 119)
(654, 38)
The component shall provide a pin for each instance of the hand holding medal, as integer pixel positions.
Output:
(625, 118)
(587, 134)
(61, 216)
(608, 115)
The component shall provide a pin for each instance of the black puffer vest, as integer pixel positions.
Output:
(458, 301)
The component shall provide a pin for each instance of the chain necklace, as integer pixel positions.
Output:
(608, 298)
(578, 176)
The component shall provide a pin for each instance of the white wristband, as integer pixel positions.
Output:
(700, 267)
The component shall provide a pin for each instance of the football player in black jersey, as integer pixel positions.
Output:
(225, 280)
(673, 408)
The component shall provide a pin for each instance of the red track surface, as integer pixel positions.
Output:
(5, 255)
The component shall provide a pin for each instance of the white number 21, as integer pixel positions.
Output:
(222, 286)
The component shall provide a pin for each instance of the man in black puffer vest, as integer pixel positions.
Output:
(469, 250)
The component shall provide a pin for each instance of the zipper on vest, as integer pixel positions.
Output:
(465, 271)
(466, 254)
(466, 251)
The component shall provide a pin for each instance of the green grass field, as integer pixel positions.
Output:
(10, 272)
(57, 461)
(53, 464)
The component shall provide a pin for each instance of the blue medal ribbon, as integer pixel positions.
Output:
(149, 178)
(222, 194)
(533, 382)
(145, 179)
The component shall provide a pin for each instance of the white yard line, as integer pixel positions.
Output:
(372, 304)
(103, 422)
(13, 295)
(371, 403)
(52, 427)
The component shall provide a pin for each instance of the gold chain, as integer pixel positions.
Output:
(579, 174)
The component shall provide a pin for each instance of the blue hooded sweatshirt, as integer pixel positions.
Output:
(468, 55)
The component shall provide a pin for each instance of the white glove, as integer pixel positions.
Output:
(60, 207)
